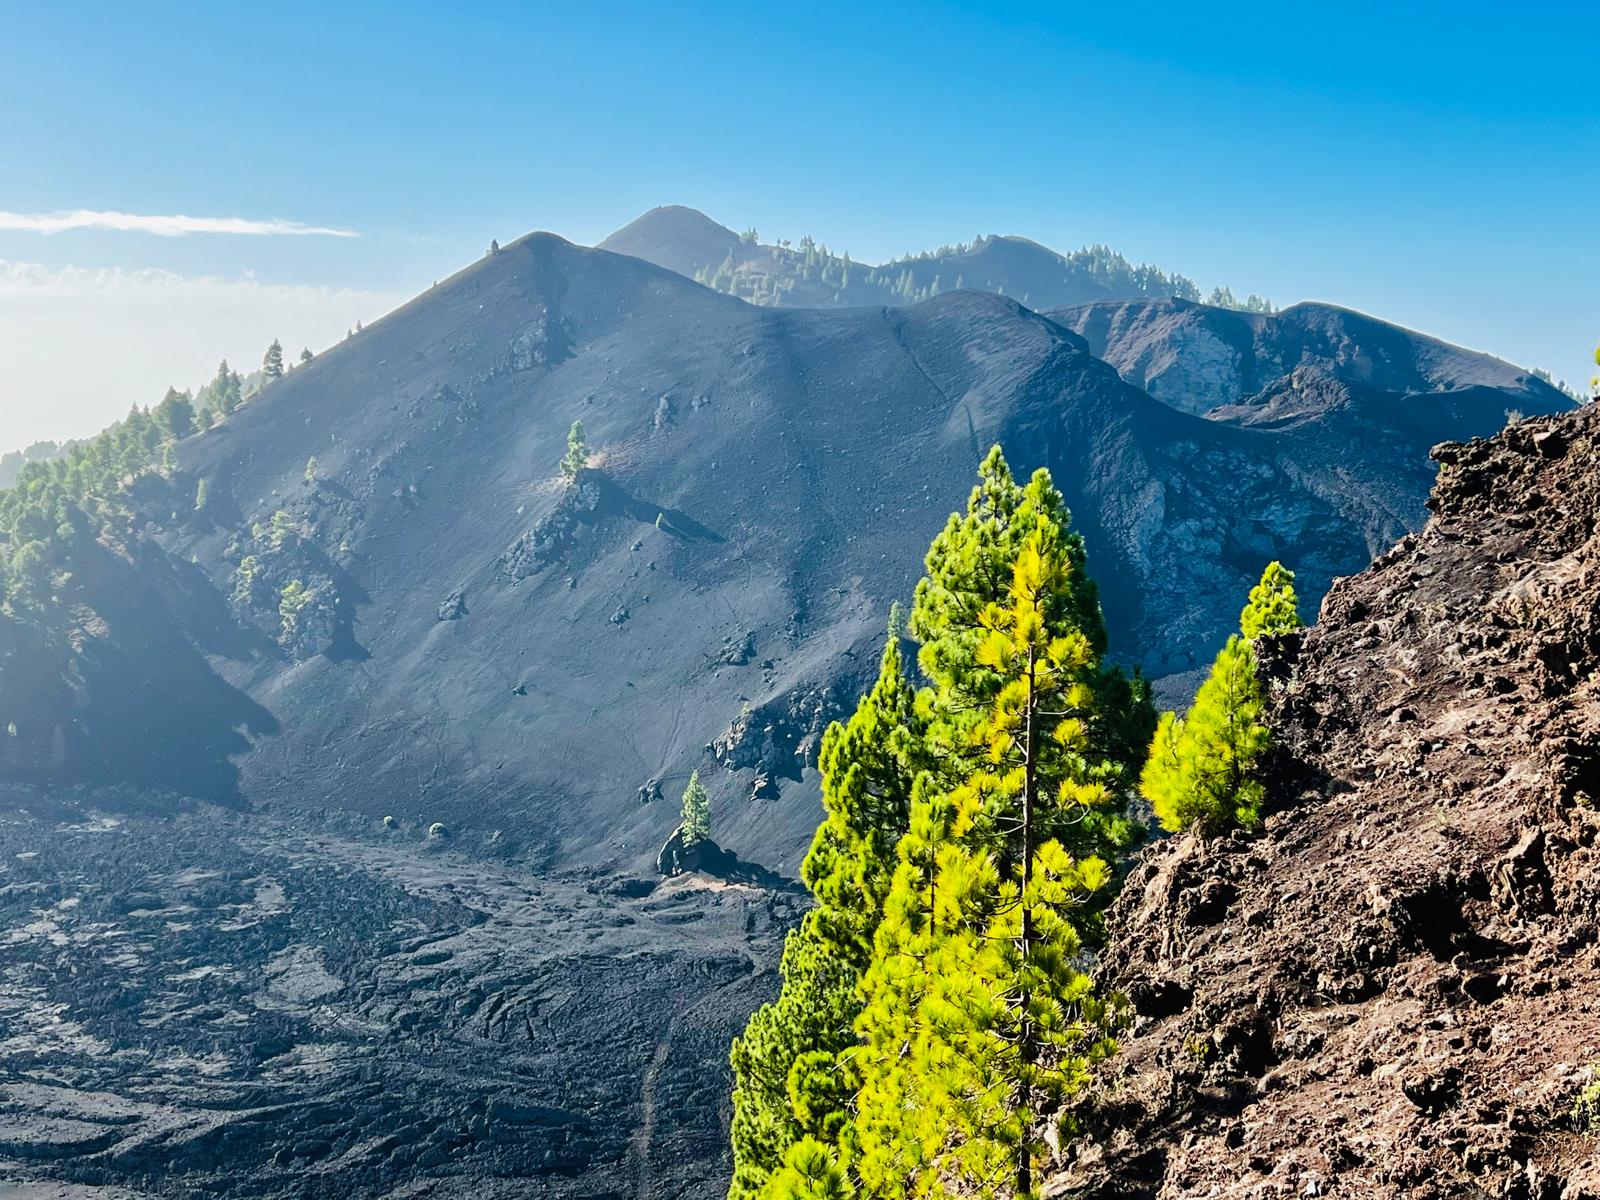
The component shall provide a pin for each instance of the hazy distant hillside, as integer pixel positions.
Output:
(12, 461)
(808, 275)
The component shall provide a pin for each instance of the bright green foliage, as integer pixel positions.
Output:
(962, 861)
(810, 1172)
(1203, 768)
(311, 469)
(979, 1021)
(577, 456)
(272, 362)
(789, 1082)
(296, 596)
(1272, 608)
(284, 530)
(970, 566)
(696, 812)
(245, 576)
(1201, 771)
(202, 496)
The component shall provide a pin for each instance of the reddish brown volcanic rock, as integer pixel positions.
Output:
(1391, 990)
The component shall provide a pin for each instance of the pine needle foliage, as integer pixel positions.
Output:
(789, 1083)
(1272, 608)
(980, 1020)
(696, 812)
(934, 1011)
(1202, 772)
(577, 455)
(811, 1172)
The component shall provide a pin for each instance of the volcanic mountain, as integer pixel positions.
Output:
(345, 780)
(498, 650)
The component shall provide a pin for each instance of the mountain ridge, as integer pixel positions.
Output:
(687, 241)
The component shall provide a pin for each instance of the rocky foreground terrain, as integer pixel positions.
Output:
(1393, 990)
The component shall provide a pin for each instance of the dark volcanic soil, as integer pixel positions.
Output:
(1394, 989)
(197, 1003)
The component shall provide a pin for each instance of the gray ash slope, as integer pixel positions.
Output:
(1197, 357)
(518, 657)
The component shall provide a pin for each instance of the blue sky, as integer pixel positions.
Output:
(1434, 165)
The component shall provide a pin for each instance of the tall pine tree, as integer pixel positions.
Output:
(696, 812)
(577, 455)
(272, 362)
(978, 1021)
(789, 1082)
(973, 1020)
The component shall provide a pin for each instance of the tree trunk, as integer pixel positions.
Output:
(1026, 1049)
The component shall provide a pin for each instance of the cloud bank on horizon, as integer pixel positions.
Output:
(162, 224)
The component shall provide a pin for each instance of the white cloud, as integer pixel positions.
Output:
(173, 225)
(78, 345)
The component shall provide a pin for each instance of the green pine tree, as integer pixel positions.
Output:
(696, 812)
(175, 415)
(225, 392)
(790, 1080)
(1203, 770)
(969, 567)
(979, 1023)
(577, 456)
(1272, 608)
(810, 1172)
(950, 922)
(272, 362)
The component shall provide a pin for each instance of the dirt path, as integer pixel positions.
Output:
(639, 1143)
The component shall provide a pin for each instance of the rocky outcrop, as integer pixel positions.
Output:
(782, 737)
(286, 586)
(582, 503)
(1390, 990)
